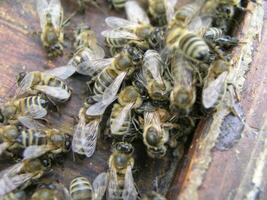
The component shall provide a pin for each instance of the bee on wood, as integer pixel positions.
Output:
(121, 183)
(16, 195)
(124, 32)
(161, 11)
(81, 188)
(23, 173)
(48, 83)
(121, 119)
(24, 110)
(183, 94)
(51, 20)
(49, 191)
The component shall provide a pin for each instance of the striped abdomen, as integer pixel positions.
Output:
(27, 103)
(116, 42)
(125, 127)
(29, 137)
(81, 189)
(213, 33)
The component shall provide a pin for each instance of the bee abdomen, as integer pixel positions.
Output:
(193, 46)
(30, 137)
(31, 101)
(213, 33)
(81, 189)
(118, 42)
(102, 82)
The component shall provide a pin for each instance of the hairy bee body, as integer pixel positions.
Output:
(16, 195)
(213, 33)
(157, 9)
(191, 45)
(81, 189)
(13, 109)
(49, 191)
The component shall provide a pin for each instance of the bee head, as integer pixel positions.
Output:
(135, 54)
(152, 137)
(20, 76)
(157, 152)
(124, 148)
(47, 163)
(157, 37)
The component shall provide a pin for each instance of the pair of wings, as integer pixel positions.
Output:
(118, 122)
(152, 119)
(55, 92)
(135, 13)
(213, 90)
(100, 186)
(109, 95)
(85, 137)
(129, 191)
(154, 65)
(53, 8)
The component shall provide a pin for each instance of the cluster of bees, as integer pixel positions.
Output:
(169, 67)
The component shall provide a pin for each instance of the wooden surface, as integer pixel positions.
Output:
(231, 162)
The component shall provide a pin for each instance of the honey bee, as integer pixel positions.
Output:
(155, 136)
(124, 31)
(157, 85)
(161, 11)
(24, 110)
(48, 83)
(22, 173)
(183, 94)
(121, 117)
(154, 196)
(109, 80)
(53, 191)
(121, 183)
(215, 83)
(16, 195)
(81, 188)
(51, 20)
(86, 132)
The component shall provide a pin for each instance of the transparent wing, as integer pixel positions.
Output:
(93, 67)
(154, 64)
(36, 151)
(29, 122)
(120, 119)
(135, 13)
(200, 24)
(100, 185)
(55, 92)
(152, 118)
(170, 6)
(109, 95)
(62, 72)
(99, 52)
(117, 22)
(119, 34)
(129, 190)
(8, 184)
(42, 6)
(35, 111)
(3, 147)
(26, 82)
(77, 138)
(89, 137)
(55, 10)
(113, 185)
(213, 91)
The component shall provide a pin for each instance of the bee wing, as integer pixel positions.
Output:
(93, 67)
(119, 34)
(154, 64)
(3, 147)
(62, 72)
(26, 82)
(109, 95)
(42, 6)
(117, 22)
(170, 6)
(199, 24)
(8, 184)
(36, 111)
(36, 151)
(213, 91)
(77, 138)
(89, 137)
(129, 190)
(29, 122)
(98, 51)
(100, 185)
(55, 10)
(55, 92)
(120, 119)
(113, 185)
(135, 13)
